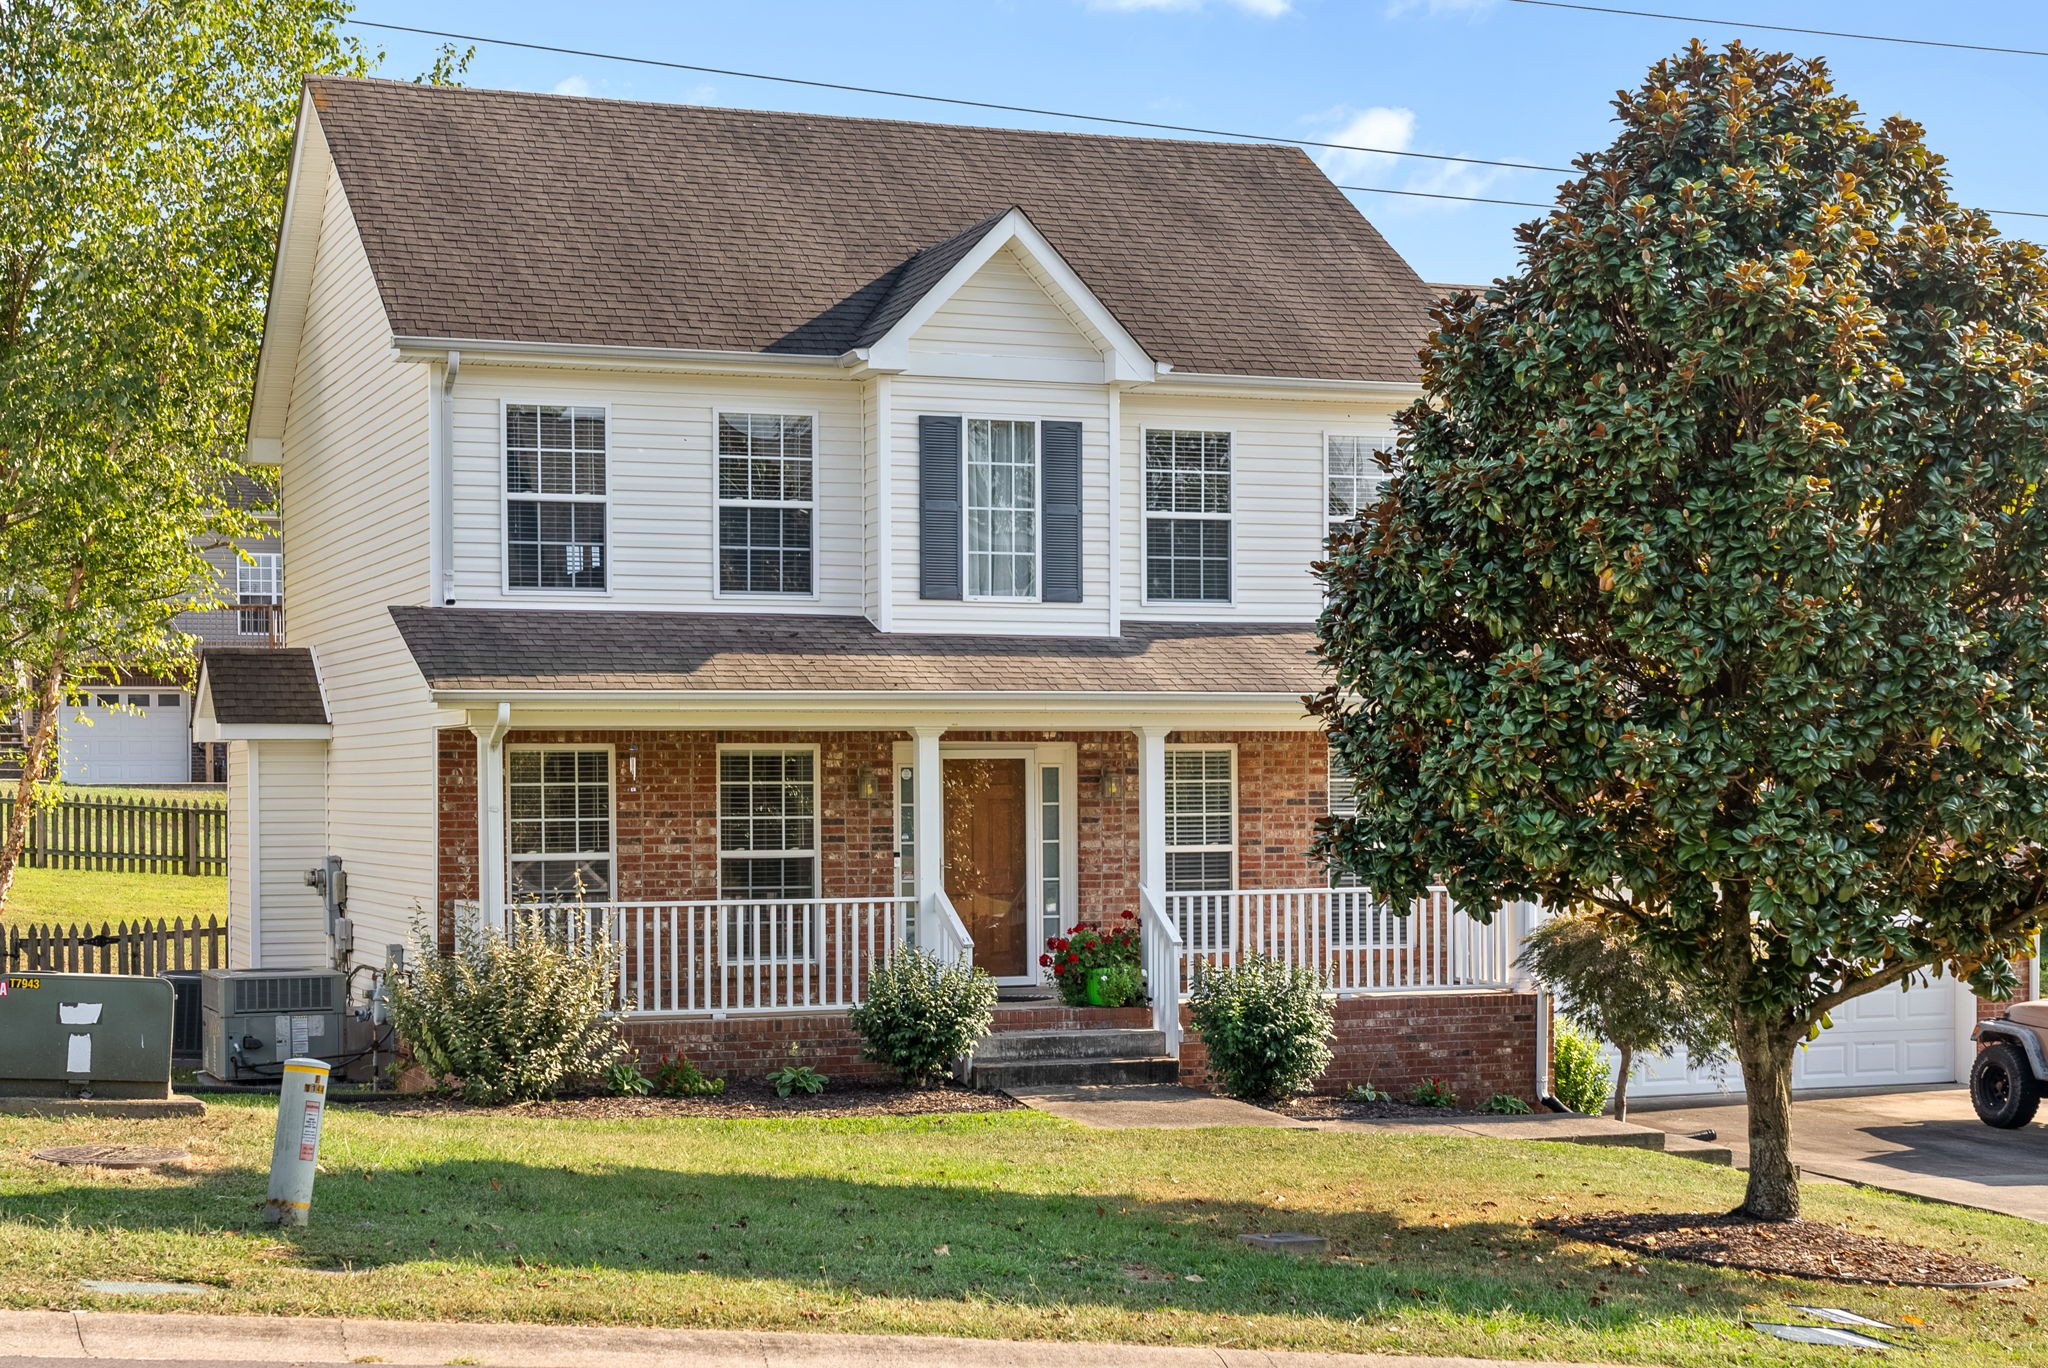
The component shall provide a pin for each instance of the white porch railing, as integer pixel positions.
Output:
(705, 958)
(950, 941)
(1354, 941)
(1161, 950)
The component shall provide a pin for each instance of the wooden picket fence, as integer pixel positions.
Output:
(141, 947)
(126, 835)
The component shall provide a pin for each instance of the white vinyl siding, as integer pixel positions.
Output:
(1002, 310)
(558, 803)
(292, 788)
(1201, 818)
(356, 481)
(662, 485)
(767, 493)
(1001, 508)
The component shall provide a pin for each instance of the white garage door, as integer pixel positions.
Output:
(1886, 1037)
(128, 737)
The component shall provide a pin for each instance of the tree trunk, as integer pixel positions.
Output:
(1621, 1082)
(1765, 1051)
(35, 759)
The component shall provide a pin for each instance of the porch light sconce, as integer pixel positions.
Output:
(869, 785)
(1112, 784)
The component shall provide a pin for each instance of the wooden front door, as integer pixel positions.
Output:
(988, 873)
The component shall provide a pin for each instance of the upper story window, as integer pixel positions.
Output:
(555, 505)
(1002, 508)
(559, 805)
(1353, 478)
(1187, 516)
(259, 588)
(767, 476)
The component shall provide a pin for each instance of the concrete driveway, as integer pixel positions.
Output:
(1922, 1141)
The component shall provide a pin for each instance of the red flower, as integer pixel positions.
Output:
(1129, 915)
(1044, 960)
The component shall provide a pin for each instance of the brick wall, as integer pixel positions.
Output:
(1482, 1043)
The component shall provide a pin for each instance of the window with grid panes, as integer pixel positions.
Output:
(1356, 918)
(1002, 508)
(559, 839)
(767, 825)
(1187, 516)
(1201, 820)
(766, 503)
(259, 587)
(554, 497)
(1354, 478)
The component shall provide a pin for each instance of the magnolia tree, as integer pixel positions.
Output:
(1712, 589)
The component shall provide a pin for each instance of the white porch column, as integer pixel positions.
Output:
(490, 815)
(1152, 808)
(929, 817)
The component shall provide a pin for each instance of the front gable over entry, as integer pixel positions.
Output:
(1003, 291)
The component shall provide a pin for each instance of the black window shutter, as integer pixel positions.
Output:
(938, 507)
(1059, 454)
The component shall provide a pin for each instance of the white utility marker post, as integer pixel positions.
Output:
(294, 1156)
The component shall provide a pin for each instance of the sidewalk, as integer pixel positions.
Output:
(122, 1337)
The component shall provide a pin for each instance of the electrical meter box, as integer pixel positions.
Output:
(85, 1035)
(253, 1020)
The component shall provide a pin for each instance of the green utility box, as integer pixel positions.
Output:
(85, 1035)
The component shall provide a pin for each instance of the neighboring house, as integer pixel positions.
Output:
(782, 537)
(140, 730)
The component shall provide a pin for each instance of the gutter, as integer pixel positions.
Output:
(487, 352)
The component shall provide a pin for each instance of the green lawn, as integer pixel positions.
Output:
(69, 896)
(1001, 1225)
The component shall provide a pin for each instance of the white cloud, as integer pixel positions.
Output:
(1380, 126)
(1397, 8)
(1264, 9)
(571, 85)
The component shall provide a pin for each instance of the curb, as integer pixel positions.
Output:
(114, 1335)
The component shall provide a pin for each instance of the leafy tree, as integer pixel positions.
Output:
(144, 146)
(1607, 984)
(1712, 589)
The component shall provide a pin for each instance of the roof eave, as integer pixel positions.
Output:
(498, 351)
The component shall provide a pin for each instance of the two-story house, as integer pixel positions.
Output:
(786, 537)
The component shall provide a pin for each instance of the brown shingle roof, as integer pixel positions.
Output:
(570, 649)
(502, 216)
(252, 685)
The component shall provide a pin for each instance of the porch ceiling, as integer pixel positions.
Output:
(523, 652)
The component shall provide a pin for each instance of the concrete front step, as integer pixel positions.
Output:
(1003, 1076)
(1006, 1047)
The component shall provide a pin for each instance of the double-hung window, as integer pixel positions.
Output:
(1187, 516)
(768, 850)
(1201, 818)
(259, 588)
(559, 804)
(1002, 508)
(767, 468)
(1353, 478)
(555, 485)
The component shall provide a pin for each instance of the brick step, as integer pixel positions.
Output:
(1044, 1073)
(1089, 1043)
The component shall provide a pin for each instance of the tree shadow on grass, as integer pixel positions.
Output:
(912, 1240)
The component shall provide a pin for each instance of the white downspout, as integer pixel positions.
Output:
(442, 510)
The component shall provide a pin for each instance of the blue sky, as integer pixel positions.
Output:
(1485, 78)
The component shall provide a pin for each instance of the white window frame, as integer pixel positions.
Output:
(1379, 442)
(718, 502)
(1358, 919)
(271, 565)
(1181, 748)
(611, 856)
(506, 496)
(1037, 594)
(735, 950)
(1147, 515)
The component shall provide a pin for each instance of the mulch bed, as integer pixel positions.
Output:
(740, 1100)
(1799, 1249)
(1315, 1107)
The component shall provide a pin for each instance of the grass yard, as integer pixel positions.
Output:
(69, 896)
(1009, 1224)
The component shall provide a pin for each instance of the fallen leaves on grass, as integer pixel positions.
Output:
(1800, 1249)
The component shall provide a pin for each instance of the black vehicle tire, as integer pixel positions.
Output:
(2003, 1088)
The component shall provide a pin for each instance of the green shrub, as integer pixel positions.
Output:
(1267, 1027)
(797, 1078)
(676, 1076)
(1435, 1092)
(1581, 1072)
(1366, 1092)
(921, 1013)
(1506, 1104)
(511, 1016)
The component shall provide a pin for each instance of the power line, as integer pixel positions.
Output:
(953, 99)
(1060, 113)
(1789, 28)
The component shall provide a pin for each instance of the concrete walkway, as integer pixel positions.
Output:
(32, 1339)
(1924, 1142)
